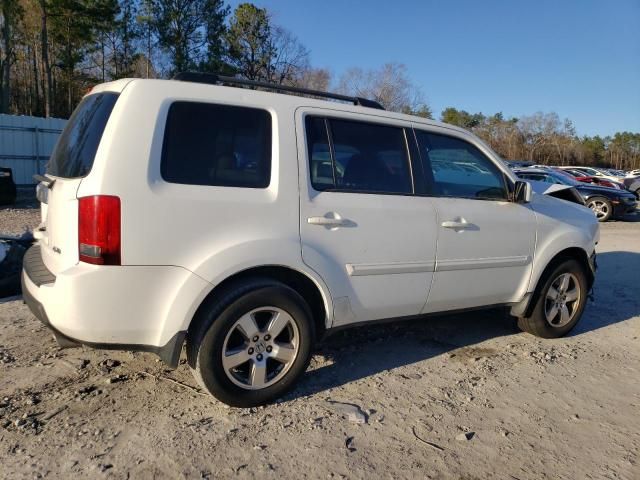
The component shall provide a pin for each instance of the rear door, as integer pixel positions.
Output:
(485, 242)
(362, 228)
(70, 162)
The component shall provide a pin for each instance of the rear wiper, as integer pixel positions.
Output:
(46, 180)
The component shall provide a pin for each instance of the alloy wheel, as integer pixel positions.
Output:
(600, 208)
(260, 348)
(562, 300)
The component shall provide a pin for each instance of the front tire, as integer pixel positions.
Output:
(601, 207)
(251, 346)
(559, 303)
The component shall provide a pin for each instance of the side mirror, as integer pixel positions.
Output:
(522, 192)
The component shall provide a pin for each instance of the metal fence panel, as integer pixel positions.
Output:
(26, 144)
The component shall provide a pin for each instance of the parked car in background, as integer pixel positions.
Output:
(7, 187)
(174, 222)
(632, 183)
(582, 177)
(593, 172)
(605, 202)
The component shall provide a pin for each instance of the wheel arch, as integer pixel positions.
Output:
(571, 253)
(309, 288)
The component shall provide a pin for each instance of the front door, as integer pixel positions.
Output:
(362, 229)
(485, 242)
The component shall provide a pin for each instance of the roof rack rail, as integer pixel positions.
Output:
(214, 78)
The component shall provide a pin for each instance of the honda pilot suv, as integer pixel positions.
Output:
(247, 223)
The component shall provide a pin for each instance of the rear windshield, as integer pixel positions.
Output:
(76, 148)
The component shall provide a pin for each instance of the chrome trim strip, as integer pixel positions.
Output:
(362, 269)
(474, 264)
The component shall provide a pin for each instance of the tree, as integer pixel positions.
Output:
(215, 32)
(251, 47)
(389, 85)
(10, 12)
(313, 79)
(123, 36)
(75, 26)
(190, 31)
(461, 118)
(290, 58)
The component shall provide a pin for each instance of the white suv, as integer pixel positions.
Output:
(248, 223)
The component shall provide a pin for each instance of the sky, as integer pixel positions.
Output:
(579, 58)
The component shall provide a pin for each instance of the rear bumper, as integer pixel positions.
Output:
(144, 309)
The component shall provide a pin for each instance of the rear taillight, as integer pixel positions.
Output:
(99, 230)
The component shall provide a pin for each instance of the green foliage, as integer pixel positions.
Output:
(190, 31)
(595, 148)
(462, 118)
(421, 110)
(249, 38)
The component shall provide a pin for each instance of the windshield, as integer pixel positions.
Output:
(76, 148)
(564, 178)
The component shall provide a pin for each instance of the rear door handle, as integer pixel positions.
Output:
(459, 224)
(327, 222)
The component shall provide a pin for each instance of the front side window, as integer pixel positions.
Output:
(456, 168)
(364, 157)
(218, 145)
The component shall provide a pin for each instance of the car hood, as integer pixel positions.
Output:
(544, 188)
(607, 191)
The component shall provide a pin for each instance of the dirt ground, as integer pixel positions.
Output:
(450, 397)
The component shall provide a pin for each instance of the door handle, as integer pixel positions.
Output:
(459, 224)
(327, 222)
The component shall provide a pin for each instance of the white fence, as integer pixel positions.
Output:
(26, 143)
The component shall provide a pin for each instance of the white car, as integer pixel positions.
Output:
(594, 172)
(249, 223)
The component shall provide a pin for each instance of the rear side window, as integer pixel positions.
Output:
(364, 157)
(218, 145)
(456, 168)
(76, 148)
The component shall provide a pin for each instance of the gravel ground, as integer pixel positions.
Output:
(24, 215)
(450, 397)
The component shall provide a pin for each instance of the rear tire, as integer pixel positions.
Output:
(601, 207)
(559, 305)
(251, 346)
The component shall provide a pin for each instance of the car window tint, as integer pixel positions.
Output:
(459, 169)
(221, 145)
(370, 157)
(77, 146)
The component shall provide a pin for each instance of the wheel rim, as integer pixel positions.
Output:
(562, 300)
(599, 207)
(260, 348)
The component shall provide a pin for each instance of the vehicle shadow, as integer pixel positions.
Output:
(616, 292)
(359, 352)
(629, 218)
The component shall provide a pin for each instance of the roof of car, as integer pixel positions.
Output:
(532, 170)
(178, 87)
